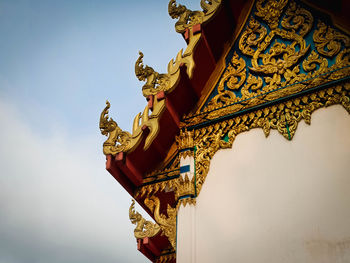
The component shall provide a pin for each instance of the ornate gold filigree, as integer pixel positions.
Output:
(143, 228)
(185, 143)
(280, 58)
(209, 140)
(283, 117)
(180, 186)
(153, 188)
(270, 11)
(297, 19)
(328, 41)
(311, 62)
(233, 77)
(252, 37)
(184, 187)
(167, 223)
(184, 140)
(188, 18)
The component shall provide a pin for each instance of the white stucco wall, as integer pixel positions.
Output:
(273, 200)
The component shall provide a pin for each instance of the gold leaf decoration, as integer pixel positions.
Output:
(118, 140)
(187, 18)
(298, 20)
(166, 258)
(122, 141)
(283, 117)
(166, 223)
(280, 53)
(155, 82)
(143, 228)
(329, 41)
(270, 11)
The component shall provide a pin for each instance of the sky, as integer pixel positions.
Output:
(59, 62)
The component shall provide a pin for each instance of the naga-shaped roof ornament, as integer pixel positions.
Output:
(166, 223)
(122, 141)
(118, 140)
(143, 228)
(188, 18)
(155, 82)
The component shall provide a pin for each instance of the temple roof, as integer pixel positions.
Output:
(173, 94)
(242, 59)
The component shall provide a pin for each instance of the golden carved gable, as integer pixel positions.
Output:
(287, 61)
(285, 48)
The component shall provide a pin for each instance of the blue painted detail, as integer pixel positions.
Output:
(232, 115)
(186, 196)
(184, 169)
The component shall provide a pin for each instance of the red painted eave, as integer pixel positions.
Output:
(151, 247)
(128, 169)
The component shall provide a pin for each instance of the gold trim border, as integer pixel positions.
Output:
(283, 117)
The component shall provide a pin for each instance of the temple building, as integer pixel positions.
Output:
(242, 151)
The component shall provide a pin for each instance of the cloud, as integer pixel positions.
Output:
(57, 203)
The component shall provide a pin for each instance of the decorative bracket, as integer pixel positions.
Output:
(122, 141)
(167, 223)
(143, 228)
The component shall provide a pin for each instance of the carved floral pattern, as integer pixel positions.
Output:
(277, 60)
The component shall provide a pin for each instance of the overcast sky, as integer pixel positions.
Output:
(59, 62)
